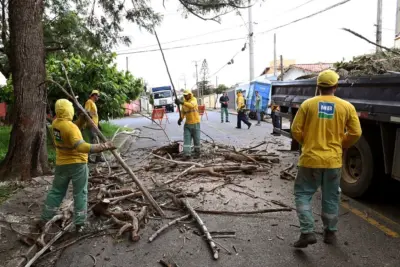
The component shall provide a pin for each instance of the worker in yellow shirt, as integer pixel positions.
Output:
(71, 164)
(241, 110)
(324, 125)
(91, 109)
(191, 130)
(276, 122)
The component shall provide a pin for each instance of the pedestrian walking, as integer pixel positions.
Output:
(191, 129)
(258, 108)
(324, 125)
(71, 165)
(224, 99)
(241, 110)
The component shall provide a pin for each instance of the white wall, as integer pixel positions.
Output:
(294, 73)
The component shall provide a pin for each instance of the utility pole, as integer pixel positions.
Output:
(216, 82)
(197, 80)
(397, 24)
(275, 65)
(379, 26)
(127, 64)
(281, 68)
(251, 43)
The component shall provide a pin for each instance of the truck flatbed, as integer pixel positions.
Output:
(377, 96)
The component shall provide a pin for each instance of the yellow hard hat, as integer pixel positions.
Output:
(187, 92)
(327, 78)
(95, 92)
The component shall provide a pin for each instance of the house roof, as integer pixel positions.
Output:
(316, 67)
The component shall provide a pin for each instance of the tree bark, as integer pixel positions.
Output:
(27, 152)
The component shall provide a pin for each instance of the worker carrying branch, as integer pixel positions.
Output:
(71, 164)
(191, 130)
(319, 126)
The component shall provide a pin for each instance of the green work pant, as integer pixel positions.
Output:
(307, 182)
(79, 174)
(191, 131)
(224, 110)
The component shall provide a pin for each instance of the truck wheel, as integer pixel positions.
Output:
(358, 169)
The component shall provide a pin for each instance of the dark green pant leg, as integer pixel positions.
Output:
(79, 175)
(56, 193)
(187, 140)
(196, 137)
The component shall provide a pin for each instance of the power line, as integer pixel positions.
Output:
(240, 38)
(306, 17)
(182, 46)
(217, 31)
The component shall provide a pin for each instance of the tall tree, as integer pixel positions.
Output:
(27, 154)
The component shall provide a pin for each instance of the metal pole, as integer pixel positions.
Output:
(275, 65)
(379, 26)
(127, 64)
(251, 43)
(197, 81)
(281, 68)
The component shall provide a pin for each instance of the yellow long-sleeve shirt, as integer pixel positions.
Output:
(91, 108)
(190, 111)
(70, 146)
(240, 101)
(324, 125)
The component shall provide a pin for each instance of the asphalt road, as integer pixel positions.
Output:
(369, 230)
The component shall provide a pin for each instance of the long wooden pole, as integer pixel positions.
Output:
(142, 188)
(166, 66)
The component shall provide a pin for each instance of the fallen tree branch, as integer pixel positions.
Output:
(369, 41)
(179, 162)
(203, 227)
(179, 175)
(165, 226)
(250, 148)
(227, 212)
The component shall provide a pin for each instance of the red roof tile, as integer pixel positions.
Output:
(317, 67)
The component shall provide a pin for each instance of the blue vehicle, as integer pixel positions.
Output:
(263, 86)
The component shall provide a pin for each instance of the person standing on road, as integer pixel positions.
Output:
(71, 164)
(324, 125)
(224, 99)
(275, 119)
(191, 130)
(241, 110)
(91, 109)
(258, 108)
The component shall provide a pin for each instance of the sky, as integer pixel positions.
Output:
(313, 40)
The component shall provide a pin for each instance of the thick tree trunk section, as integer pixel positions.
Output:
(27, 153)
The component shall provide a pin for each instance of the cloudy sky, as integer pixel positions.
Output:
(316, 39)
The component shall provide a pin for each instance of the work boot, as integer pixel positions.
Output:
(249, 125)
(222, 121)
(305, 240)
(258, 124)
(238, 128)
(329, 237)
(227, 121)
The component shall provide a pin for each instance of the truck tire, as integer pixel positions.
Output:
(358, 169)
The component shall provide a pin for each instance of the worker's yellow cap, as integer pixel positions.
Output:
(187, 92)
(327, 78)
(95, 92)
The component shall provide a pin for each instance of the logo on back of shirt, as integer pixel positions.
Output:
(326, 110)
(57, 135)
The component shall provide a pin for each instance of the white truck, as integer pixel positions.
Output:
(163, 97)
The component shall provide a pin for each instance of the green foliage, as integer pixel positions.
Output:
(97, 72)
(151, 99)
(109, 129)
(6, 93)
(221, 88)
(4, 138)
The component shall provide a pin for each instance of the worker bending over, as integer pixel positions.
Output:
(324, 125)
(191, 129)
(71, 164)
